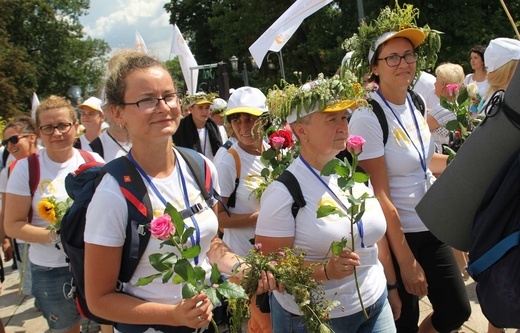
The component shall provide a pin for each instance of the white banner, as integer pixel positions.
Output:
(139, 43)
(280, 31)
(186, 60)
(34, 104)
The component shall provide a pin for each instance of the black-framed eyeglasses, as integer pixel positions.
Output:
(61, 127)
(14, 139)
(394, 60)
(150, 104)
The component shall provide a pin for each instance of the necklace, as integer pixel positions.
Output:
(117, 143)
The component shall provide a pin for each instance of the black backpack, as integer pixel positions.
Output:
(81, 185)
(494, 252)
(380, 114)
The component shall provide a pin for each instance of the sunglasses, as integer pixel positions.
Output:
(13, 140)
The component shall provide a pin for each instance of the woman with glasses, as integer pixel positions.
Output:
(20, 141)
(143, 99)
(400, 173)
(57, 124)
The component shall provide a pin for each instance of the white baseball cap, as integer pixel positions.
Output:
(93, 103)
(247, 100)
(501, 51)
(219, 105)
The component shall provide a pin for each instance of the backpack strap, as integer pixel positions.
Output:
(418, 102)
(97, 147)
(140, 212)
(34, 179)
(199, 169)
(494, 254)
(290, 181)
(233, 197)
(87, 156)
(378, 111)
(202, 173)
(227, 144)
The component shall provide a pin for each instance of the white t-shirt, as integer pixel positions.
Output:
(425, 86)
(441, 135)
(483, 86)
(112, 148)
(407, 179)
(52, 183)
(107, 218)
(205, 143)
(246, 202)
(315, 235)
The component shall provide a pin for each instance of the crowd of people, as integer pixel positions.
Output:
(143, 117)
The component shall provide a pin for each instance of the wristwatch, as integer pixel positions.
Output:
(392, 286)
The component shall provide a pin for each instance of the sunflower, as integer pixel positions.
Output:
(47, 210)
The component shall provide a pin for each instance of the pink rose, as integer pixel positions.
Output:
(258, 246)
(281, 139)
(277, 142)
(452, 89)
(162, 227)
(355, 144)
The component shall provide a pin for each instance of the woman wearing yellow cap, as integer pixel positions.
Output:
(401, 172)
(317, 113)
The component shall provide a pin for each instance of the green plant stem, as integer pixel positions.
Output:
(354, 165)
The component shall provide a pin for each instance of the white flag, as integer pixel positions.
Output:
(186, 60)
(280, 31)
(139, 43)
(34, 104)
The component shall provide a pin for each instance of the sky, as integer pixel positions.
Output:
(117, 21)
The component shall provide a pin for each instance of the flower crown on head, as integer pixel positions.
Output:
(323, 94)
(396, 19)
(199, 97)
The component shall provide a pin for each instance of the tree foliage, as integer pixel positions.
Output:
(233, 25)
(44, 50)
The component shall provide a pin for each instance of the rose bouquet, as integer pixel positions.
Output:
(290, 270)
(281, 152)
(460, 128)
(348, 176)
(175, 266)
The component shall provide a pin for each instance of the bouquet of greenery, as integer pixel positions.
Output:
(290, 270)
(177, 267)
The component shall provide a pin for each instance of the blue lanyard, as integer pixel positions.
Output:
(336, 198)
(422, 158)
(195, 240)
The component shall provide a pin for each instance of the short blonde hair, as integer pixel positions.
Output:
(56, 102)
(500, 78)
(450, 73)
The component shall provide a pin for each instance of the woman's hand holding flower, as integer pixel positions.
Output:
(342, 265)
(195, 312)
(267, 283)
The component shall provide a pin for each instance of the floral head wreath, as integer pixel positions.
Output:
(398, 19)
(199, 98)
(326, 95)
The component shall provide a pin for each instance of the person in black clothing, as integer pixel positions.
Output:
(197, 130)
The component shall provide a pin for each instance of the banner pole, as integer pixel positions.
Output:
(510, 19)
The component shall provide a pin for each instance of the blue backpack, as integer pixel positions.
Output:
(81, 185)
(494, 252)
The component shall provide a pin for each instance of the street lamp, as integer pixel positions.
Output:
(271, 65)
(245, 73)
